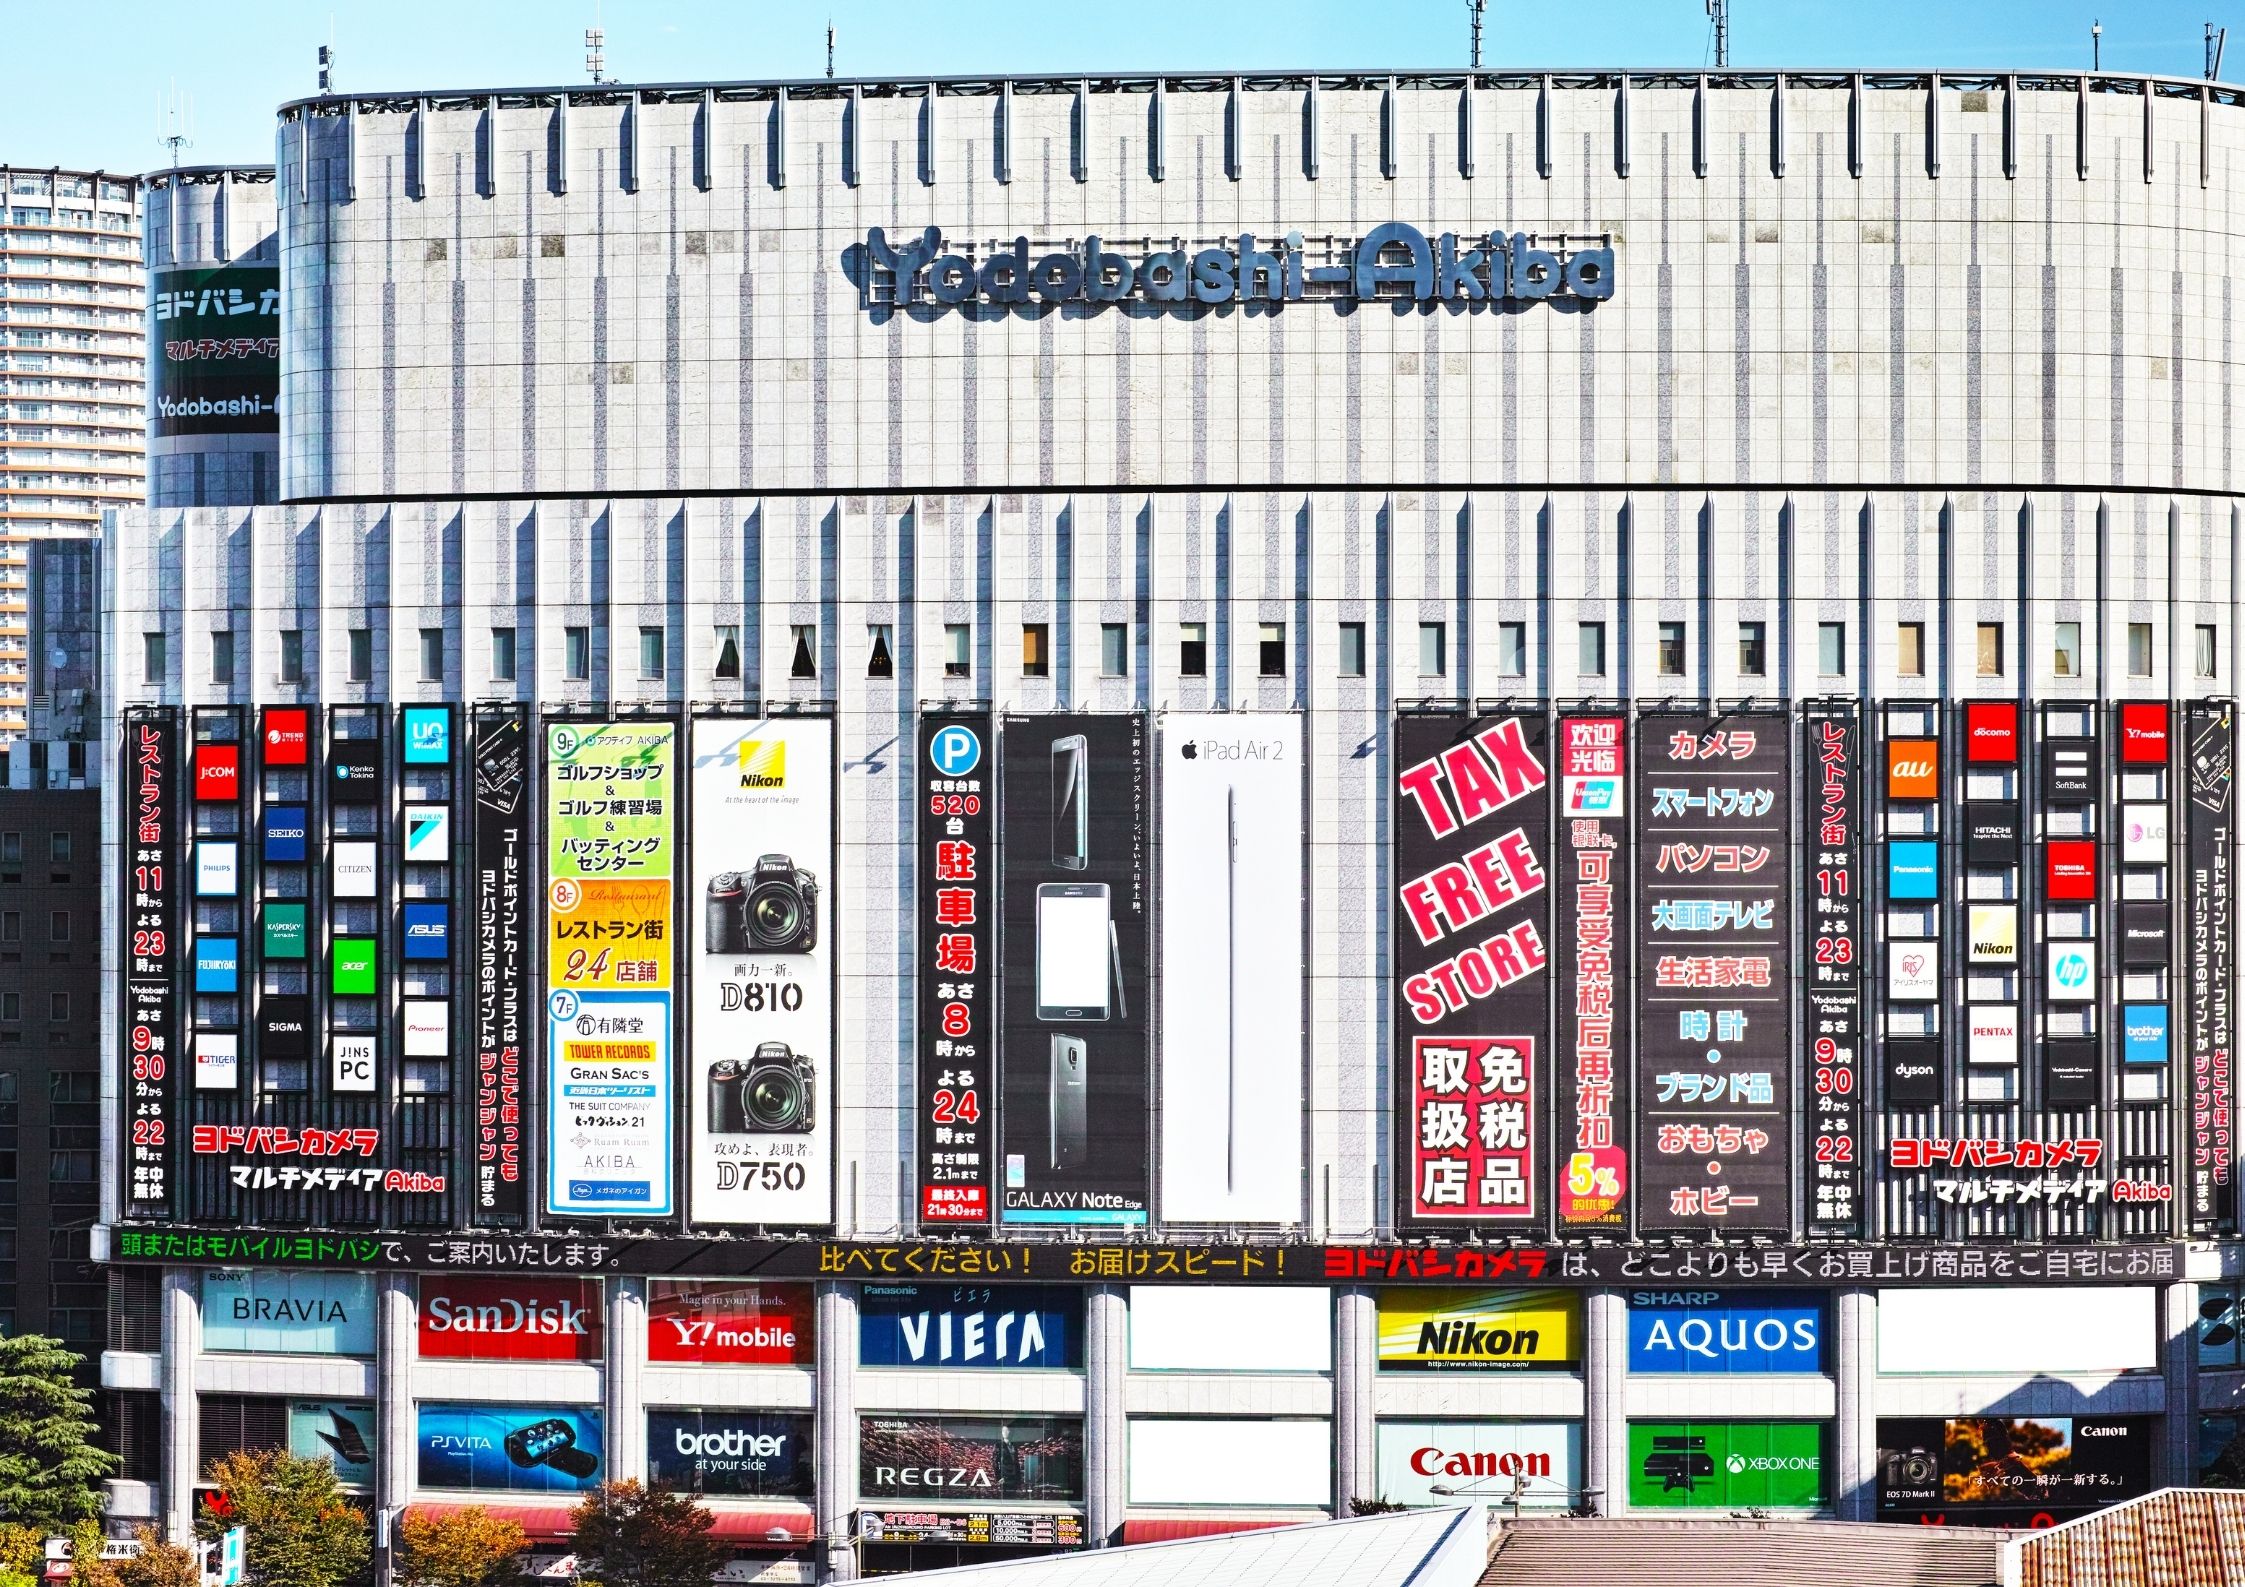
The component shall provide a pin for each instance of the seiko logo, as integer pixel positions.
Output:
(506, 1317)
(931, 1477)
(731, 1444)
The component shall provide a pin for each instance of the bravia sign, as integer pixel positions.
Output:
(508, 1319)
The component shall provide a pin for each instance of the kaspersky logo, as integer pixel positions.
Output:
(763, 763)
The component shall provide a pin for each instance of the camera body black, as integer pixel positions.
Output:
(774, 1092)
(772, 908)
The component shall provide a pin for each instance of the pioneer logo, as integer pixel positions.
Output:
(446, 1315)
(1435, 1462)
(932, 1477)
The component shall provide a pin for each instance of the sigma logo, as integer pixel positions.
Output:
(932, 1477)
(731, 1444)
(708, 1334)
(446, 1315)
(1433, 1462)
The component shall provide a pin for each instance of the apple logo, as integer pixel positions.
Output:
(1191, 751)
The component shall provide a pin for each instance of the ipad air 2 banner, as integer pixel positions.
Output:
(762, 1076)
(1471, 934)
(1231, 963)
(609, 874)
(1073, 821)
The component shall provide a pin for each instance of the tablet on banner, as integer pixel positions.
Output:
(218, 868)
(340, 1432)
(509, 1448)
(762, 1081)
(1231, 955)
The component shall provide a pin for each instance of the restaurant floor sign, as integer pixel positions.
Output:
(1058, 1262)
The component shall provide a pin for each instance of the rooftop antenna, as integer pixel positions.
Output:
(830, 46)
(1720, 12)
(175, 123)
(1474, 8)
(2215, 39)
(327, 68)
(2096, 46)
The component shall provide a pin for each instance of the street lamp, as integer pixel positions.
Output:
(1517, 1492)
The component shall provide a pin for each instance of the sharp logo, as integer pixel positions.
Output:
(763, 763)
(446, 1315)
(932, 1477)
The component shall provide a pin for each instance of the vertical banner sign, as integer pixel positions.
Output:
(1073, 911)
(150, 955)
(956, 1101)
(2210, 828)
(762, 1079)
(502, 921)
(1472, 972)
(1833, 801)
(1231, 955)
(1714, 1029)
(608, 967)
(1588, 923)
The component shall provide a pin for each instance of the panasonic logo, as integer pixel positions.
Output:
(507, 1317)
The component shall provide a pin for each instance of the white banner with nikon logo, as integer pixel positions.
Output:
(762, 1078)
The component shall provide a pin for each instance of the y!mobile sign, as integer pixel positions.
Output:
(1472, 969)
(1592, 863)
(608, 967)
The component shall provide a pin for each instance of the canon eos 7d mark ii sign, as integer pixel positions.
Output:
(1472, 969)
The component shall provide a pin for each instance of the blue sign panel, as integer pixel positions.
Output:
(1704, 1331)
(428, 931)
(1913, 869)
(428, 735)
(510, 1448)
(946, 1325)
(217, 964)
(284, 834)
(2143, 1029)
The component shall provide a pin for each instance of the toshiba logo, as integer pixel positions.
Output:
(446, 1315)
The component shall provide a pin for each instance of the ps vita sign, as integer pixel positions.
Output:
(1395, 262)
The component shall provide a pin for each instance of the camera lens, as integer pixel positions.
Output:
(775, 914)
(774, 1099)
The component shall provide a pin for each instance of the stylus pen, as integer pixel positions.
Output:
(1231, 989)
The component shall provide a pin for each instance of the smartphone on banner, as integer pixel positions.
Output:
(1075, 938)
(1065, 1096)
(1071, 819)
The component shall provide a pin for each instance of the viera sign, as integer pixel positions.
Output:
(1394, 262)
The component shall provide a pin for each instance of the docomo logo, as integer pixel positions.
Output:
(1432, 1461)
(730, 1444)
(1395, 261)
(1991, 732)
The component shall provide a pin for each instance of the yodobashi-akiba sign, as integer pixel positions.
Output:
(510, 1319)
(1394, 261)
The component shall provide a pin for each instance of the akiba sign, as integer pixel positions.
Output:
(1394, 261)
(506, 1319)
(935, 1325)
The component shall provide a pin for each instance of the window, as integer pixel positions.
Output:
(222, 656)
(362, 655)
(11, 1006)
(880, 650)
(2204, 665)
(1831, 650)
(11, 925)
(958, 642)
(1590, 649)
(1352, 650)
(502, 655)
(1036, 650)
(1909, 650)
(1270, 648)
(803, 661)
(1512, 650)
(1434, 650)
(1114, 650)
(58, 1007)
(726, 643)
(576, 654)
(2221, 1327)
(59, 847)
(2065, 651)
(1669, 657)
(432, 655)
(58, 926)
(650, 654)
(1988, 649)
(1192, 650)
(292, 655)
(2139, 650)
(1753, 649)
(151, 658)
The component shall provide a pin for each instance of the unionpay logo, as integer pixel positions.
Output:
(763, 763)
(957, 750)
(1593, 796)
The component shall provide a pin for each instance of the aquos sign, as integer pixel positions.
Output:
(1394, 261)
(1714, 1332)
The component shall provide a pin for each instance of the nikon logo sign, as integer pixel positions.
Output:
(1394, 262)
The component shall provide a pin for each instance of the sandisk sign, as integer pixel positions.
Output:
(2073, 869)
(1991, 733)
(1913, 768)
(2143, 733)
(218, 771)
(510, 1319)
(287, 733)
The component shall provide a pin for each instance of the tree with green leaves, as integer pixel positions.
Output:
(50, 1467)
(631, 1535)
(299, 1528)
(470, 1547)
(159, 1564)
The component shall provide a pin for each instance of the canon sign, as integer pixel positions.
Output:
(1430, 1461)
(504, 1319)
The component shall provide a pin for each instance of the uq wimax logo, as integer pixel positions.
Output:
(1395, 263)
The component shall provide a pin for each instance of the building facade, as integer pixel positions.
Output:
(1368, 780)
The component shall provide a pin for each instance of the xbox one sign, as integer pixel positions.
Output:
(1395, 262)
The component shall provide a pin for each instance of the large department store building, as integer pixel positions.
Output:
(1013, 813)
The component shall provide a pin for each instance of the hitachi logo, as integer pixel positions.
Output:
(1464, 1337)
(507, 1317)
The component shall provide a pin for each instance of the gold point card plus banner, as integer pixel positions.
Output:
(762, 1079)
(609, 873)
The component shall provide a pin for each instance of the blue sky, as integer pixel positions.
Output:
(85, 77)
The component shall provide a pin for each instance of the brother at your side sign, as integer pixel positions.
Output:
(1231, 956)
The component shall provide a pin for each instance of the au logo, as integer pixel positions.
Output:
(763, 763)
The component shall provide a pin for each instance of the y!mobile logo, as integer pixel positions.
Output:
(955, 751)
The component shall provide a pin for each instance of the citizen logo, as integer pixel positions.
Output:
(506, 1317)
(931, 1477)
